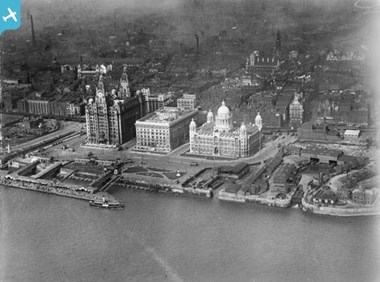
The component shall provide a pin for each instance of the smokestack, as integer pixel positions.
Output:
(180, 48)
(197, 38)
(33, 35)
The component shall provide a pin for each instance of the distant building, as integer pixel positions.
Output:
(296, 113)
(30, 122)
(248, 80)
(283, 101)
(66, 68)
(363, 196)
(218, 137)
(344, 56)
(109, 119)
(326, 197)
(278, 43)
(342, 108)
(322, 156)
(293, 54)
(187, 102)
(52, 104)
(87, 70)
(351, 135)
(154, 102)
(311, 132)
(282, 178)
(344, 194)
(258, 61)
(164, 130)
(235, 172)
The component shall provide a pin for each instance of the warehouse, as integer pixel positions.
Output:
(322, 155)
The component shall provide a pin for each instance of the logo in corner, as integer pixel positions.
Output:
(10, 15)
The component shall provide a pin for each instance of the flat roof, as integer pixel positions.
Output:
(208, 129)
(166, 115)
(352, 132)
(324, 152)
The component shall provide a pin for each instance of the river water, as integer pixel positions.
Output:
(160, 237)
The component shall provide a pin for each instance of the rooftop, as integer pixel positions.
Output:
(233, 169)
(167, 115)
(352, 132)
(324, 152)
(284, 173)
(208, 129)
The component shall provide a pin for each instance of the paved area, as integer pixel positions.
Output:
(172, 160)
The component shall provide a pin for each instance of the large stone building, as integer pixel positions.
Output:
(90, 71)
(296, 113)
(164, 130)
(364, 196)
(154, 102)
(52, 104)
(187, 102)
(258, 61)
(218, 137)
(110, 118)
(313, 132)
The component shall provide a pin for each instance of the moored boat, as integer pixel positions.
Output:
(106, 204)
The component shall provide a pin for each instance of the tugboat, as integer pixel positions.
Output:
(106, 204)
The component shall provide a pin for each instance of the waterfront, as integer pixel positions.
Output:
(160, 237)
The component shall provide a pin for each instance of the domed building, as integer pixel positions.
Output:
(218, 137)
(223, 120)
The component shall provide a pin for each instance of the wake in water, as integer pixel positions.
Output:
(360, 5)
(172, 275)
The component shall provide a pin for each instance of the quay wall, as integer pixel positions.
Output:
(191, 178)
(140, 185)
(282, 203)
(339, 211)
(47, 188)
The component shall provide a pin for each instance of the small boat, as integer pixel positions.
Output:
(106, 204)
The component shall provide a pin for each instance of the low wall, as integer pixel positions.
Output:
(338, 211)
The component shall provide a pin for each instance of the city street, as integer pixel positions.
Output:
(172, 160)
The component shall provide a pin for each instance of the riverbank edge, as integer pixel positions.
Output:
(224, 196)
(177, 190)
(333, 211)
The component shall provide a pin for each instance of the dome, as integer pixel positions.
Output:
(243, 127)
(192, 124)
(210, 114)
(210, 117)
(90, 101)
(258, 117)
(223, 110)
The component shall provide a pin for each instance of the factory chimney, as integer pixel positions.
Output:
(33, 34)
(197, 38)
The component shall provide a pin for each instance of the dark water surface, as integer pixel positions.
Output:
(160, 237)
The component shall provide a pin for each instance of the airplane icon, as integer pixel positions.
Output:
(11, 15)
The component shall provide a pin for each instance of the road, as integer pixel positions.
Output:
(66, 129)
(172, 160)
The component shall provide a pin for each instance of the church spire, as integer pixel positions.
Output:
(278, 42)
